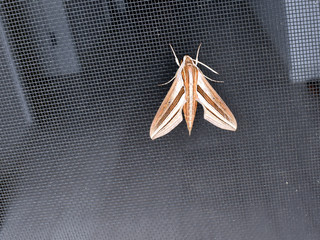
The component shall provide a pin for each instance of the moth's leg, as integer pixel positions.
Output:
(212, 79)
(167, 82)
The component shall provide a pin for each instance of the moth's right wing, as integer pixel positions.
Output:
(169, 114)
(215, 110)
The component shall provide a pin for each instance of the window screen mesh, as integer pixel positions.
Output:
(80, 90)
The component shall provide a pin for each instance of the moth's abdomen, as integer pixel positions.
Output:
(189, 115)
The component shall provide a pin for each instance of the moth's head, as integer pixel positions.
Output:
(187, 60)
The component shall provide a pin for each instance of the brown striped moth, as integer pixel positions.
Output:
(189, 87)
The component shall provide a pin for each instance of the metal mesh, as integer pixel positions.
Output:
(79, 92)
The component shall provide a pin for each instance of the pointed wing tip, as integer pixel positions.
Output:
(152, 134)
(225, 125)
(233, 124)
(233, 127)
(229, 128)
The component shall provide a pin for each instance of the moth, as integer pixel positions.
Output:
(190, 87)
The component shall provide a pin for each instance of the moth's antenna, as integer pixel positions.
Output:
(167, 82)
(206, 67)
(198, 53)
(175, 56)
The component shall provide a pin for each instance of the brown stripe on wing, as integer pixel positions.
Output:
(167, 116)
(215, 110)
(211, 102)
(171, 107)
(174, 121)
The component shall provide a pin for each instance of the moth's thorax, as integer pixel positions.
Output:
(187, 61)
(189, 71)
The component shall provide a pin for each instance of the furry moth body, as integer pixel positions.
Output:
(189, 88)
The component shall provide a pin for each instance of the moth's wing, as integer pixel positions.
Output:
(169, 114)
(215, 110)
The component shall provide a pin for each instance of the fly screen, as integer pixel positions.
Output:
(80, 89)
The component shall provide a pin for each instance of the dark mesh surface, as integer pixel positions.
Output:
(79, 92)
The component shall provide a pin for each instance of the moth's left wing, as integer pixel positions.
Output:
(169, 114)
(215, 110)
